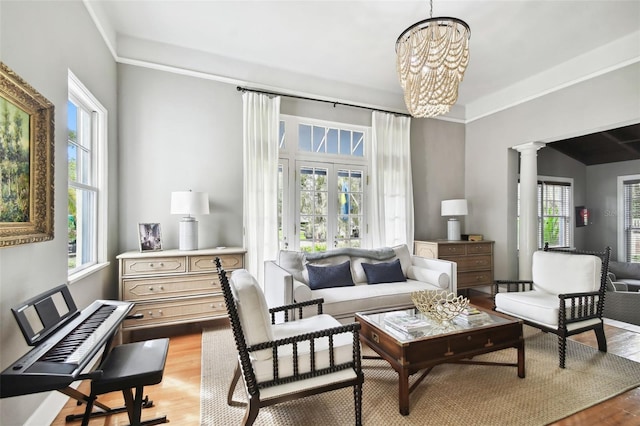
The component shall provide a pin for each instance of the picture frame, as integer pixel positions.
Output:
(149, 237)
(27, 147)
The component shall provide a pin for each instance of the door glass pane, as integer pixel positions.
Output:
(313, 208)
(349, 217)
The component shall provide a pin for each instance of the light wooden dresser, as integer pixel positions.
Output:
(174, 287)
(474, 259)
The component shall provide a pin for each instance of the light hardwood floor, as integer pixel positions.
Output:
(178, 396)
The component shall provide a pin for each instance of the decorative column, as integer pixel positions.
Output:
(528, 231)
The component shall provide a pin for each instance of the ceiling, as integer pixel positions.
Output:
(621, 144)
(344, 50)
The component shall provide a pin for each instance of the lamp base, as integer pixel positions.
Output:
(453, 229)
(188, 234)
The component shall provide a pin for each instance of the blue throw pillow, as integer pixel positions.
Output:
(330, 276)
(389, 272)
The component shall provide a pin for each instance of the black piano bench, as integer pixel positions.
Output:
(129, 366)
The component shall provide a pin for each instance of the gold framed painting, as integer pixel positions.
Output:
(26, 162)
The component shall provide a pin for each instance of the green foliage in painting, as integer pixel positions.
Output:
(14, 163)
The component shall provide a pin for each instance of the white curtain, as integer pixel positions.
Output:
(391, 200)
(260, 122)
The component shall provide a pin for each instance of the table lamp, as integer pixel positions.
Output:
(454, 208)
(189, 203)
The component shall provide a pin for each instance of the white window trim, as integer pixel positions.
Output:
(572, 210)
(78, 90)
(622, 248)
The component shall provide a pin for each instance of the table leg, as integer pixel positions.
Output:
(521, 360)
(403, 391)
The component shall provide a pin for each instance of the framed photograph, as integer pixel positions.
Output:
(149, 236)
(26, 159)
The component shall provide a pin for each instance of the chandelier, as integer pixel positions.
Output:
(432, 56)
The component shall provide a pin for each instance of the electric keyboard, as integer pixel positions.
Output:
(65, 341)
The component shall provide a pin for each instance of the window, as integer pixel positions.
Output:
(555, 207)
(554, 214)
(629, 186)
(86, 156)
(328, 171)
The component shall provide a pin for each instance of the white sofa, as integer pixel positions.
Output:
(287, 279)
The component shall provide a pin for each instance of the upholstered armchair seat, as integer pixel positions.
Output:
(342, 348)
(565, 296)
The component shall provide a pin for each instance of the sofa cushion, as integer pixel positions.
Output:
(402, 253)
(293, 262)
(625, 270)
(384, 272)
(330, 276)
(252, 310)
(343, 302)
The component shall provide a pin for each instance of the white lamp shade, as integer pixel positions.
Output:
(454, 208)
(188, 202)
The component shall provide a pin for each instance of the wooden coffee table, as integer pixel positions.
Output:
(434, 344)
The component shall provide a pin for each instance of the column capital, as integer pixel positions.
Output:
(529, 147)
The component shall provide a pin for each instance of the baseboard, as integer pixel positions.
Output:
(47, 412)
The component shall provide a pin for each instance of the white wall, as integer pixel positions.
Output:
(40, 41)
(608, 101)
(179, 133)
(437, 163)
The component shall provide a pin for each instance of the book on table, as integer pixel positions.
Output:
(406, 322)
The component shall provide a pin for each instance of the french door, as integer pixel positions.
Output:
(327, 206)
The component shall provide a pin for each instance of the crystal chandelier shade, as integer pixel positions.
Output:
(432, 56)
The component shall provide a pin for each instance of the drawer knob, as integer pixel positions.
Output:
(150, 288)
(150, 313)
(161, 287)
(160, 311)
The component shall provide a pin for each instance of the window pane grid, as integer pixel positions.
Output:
(350, 215)
(329, 140)
(82, 194)
(631, 219)
(314, 209)
(554, 221)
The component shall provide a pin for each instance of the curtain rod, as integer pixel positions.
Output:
(247, 89)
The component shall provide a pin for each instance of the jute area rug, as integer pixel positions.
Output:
(451, 394)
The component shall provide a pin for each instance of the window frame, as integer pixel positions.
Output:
(290, 157)
(81, 96)
(540, 181)
(623, 255)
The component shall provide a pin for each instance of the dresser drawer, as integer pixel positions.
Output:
(473, 263)
(157, 265)
(163, 287)
(471, 279)
(447, 250)
(206, 263)
(176, 311)
(479, 248)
